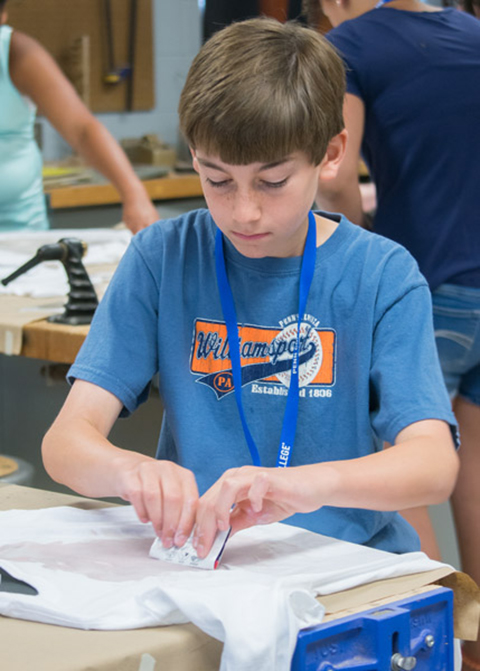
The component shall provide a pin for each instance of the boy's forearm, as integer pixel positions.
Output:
(76, 452)
(417, 472)
(79, 456)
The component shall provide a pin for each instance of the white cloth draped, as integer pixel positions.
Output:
(92, 570)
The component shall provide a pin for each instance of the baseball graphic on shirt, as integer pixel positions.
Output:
(284, 345)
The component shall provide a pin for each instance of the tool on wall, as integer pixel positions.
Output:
(82, 298)
(115, 74)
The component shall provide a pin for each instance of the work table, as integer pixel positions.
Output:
(52, 342)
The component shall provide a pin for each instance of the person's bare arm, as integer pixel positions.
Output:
(342, 194)
(77, 453)
(35, 74)
(420, 469)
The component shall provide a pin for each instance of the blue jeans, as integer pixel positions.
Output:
(456, 318)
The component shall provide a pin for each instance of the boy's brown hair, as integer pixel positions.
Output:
(259, 90)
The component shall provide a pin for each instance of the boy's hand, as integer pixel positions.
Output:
(164, 494)
(244, 497)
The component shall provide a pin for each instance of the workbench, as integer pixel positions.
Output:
(423, 605)
(57, 343)
(25, 331)
(185, 647)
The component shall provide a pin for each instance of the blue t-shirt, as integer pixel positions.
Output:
(22, 200)
(373, 369)
(418, 74)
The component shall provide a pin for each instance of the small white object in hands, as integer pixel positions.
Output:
(187, 556)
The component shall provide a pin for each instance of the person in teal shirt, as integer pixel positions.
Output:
(30, 79)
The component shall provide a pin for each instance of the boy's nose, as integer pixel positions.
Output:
(246, 208)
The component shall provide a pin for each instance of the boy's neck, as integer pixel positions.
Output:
(325, 228)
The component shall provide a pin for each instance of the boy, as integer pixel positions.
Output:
(262, 112)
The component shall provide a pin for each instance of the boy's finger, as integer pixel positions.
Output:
(204, 535)
(152, 500)
(258, 491)
(172, 502)
(241, 519)
(206, 526)
(233, 488)
(136, 501)
(134, 495)
(188, 513)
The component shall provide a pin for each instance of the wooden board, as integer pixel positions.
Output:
(164, 188)
(58, 24)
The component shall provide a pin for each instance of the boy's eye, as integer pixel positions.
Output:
(275, 185)
(218, 185)
(264, 183)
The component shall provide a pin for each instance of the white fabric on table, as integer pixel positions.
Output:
(92, 570)
(106, 246)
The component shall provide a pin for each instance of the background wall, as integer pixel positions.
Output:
(177, 38)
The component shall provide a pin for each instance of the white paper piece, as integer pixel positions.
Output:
(92, 570)
(187, 556)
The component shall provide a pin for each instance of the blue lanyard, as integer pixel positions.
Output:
(380, 3)
(226, 298)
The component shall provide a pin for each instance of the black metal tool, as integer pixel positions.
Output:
(82, 298)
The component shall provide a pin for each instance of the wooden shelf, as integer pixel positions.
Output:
(163, 188)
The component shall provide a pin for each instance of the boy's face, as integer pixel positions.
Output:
(262, 208)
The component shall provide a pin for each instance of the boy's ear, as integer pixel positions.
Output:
(333, 156)
(194, 159)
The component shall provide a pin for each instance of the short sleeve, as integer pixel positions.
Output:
(406, 381)
(120, 351)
